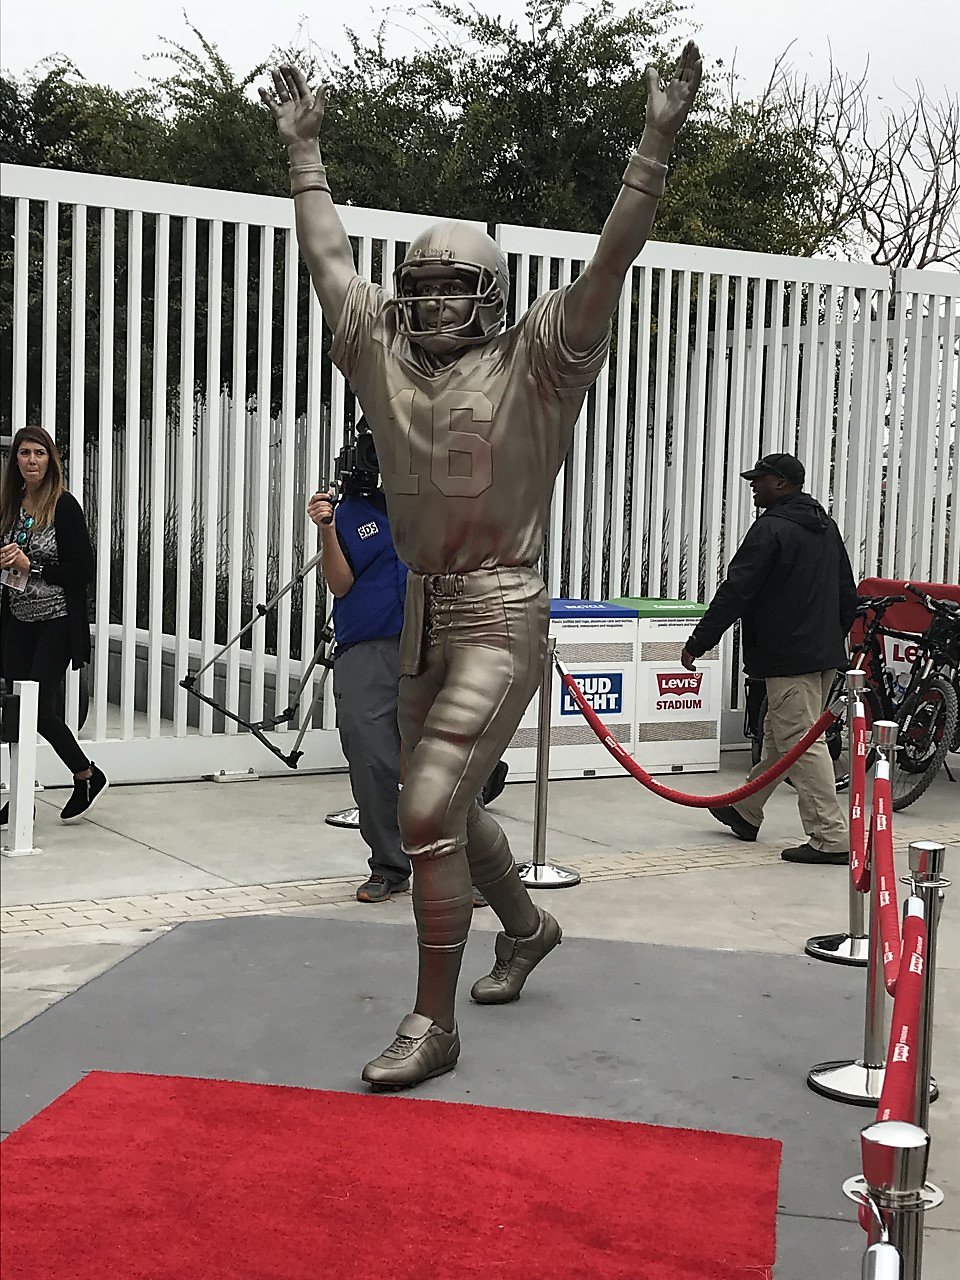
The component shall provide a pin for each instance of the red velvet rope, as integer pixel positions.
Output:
(886, 879)
(898, 1097)
(775, 771)
(859, 860)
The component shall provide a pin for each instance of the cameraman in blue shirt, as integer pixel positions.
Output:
(368, 582)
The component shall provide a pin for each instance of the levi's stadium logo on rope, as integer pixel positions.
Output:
(603, 691)
(679, 690)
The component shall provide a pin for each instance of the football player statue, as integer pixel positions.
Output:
(471, 425)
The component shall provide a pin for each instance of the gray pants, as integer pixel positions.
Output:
(365, 680)
(794, 703)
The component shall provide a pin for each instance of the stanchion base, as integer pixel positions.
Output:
(928, 1197)
(547, 876)
(853, 1082)
(839, 948)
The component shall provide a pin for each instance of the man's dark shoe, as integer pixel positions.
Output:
(86, 793)
(740, 827)
(816, 857)
(514, 960)
(478, 899)
(377, 889)
(420, 1051)
(495, 783)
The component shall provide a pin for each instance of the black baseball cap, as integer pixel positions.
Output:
(784, 465)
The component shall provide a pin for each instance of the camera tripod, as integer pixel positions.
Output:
(322, 657)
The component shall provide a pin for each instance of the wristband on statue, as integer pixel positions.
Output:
(308, 177)
(646, 175)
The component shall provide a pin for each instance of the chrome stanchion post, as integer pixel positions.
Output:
(893, 1186)
(926, 880)
(851, 947)
(539, 873)
(861, 1081)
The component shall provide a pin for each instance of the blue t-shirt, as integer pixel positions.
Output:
(373, 607)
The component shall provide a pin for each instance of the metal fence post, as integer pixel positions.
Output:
(851, 947)
(894, 1188)
(926, 880)
(539, 873)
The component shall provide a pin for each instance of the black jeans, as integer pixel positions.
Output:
(41, 651)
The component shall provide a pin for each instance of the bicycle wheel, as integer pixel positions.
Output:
(926, 723)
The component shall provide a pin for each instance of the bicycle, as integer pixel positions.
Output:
(927, 715)
(879, 697)
(925, 711)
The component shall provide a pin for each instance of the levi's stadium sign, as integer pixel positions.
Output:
(679, 690)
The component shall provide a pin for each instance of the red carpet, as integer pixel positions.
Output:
(127, 1177)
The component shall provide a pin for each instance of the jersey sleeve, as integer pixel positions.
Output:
(363, 311)
(556, 366)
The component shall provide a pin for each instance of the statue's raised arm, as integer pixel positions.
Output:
(592, 300)
(298, 111)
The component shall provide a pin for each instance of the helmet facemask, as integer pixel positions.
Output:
(484, 319)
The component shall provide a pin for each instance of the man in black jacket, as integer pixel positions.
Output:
(791, 585)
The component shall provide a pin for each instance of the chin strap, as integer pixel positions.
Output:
(322, 657)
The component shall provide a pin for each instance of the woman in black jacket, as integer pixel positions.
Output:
(46, 562)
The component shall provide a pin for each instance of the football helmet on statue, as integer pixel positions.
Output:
(453, 251)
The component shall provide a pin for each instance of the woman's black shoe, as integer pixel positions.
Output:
(86, 793)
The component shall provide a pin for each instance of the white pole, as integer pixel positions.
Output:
(23, 771)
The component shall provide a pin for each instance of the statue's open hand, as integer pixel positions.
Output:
(297, 110)
(668, 105)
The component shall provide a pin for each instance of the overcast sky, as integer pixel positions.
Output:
(905, 40)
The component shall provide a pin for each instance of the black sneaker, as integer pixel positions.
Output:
(378, 889)
(478, 899)
(740, 827)
(815, 857)
(86, 793)
(495, 783)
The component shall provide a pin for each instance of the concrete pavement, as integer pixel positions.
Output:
(150, 856)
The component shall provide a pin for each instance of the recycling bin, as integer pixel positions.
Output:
(597, 642)
(677, 712)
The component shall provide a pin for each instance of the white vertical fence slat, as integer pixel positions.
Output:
(619, 456)
(209, 487)
(677, 549)
(745, 426)
(287, 451)
(639, 506)
(105, 486)
(131, 474)
(747, 353)
(314, 592)
(261, 464)
(940, 555)
(86, 496)
(21, 260)
(185, 467)
(877, 437)
(696, 459)
(158, 493)
(51, 257)
(236, 453)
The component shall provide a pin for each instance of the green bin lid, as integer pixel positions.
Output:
(651, 607)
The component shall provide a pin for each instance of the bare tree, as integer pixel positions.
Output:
(890, 178)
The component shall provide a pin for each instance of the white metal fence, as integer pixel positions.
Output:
(131, 300)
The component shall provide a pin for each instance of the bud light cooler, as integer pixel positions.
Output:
(677, 728)
(597, 642)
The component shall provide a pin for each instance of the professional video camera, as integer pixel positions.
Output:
(357, 469)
